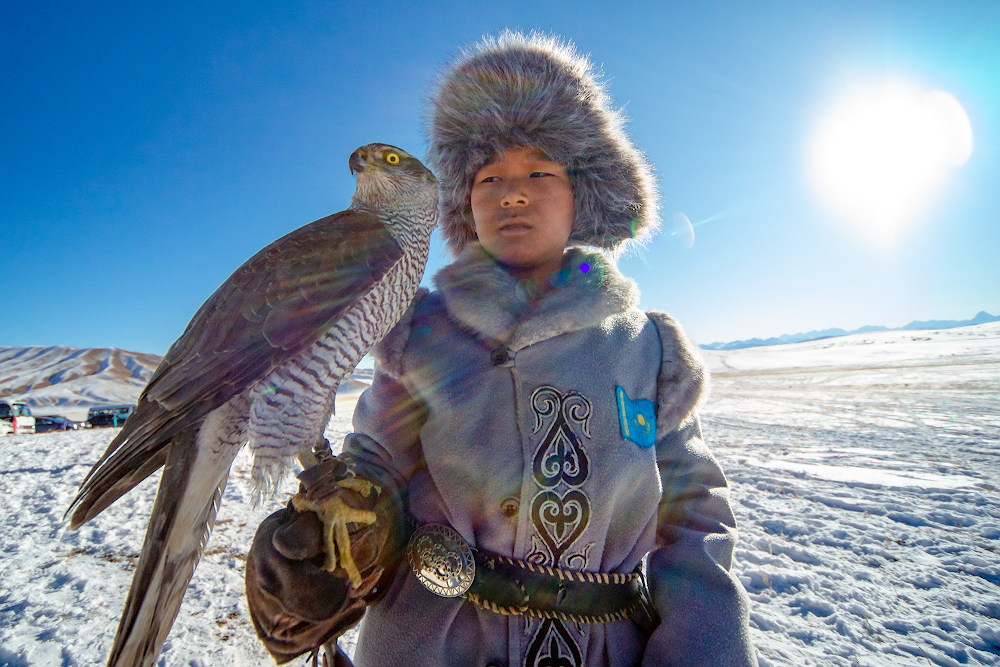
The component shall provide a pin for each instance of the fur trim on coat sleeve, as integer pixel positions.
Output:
(388, 352)
(683, 382)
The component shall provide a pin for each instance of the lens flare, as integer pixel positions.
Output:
(881, 156)
(682, 230)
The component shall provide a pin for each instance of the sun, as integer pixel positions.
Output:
(880, 156)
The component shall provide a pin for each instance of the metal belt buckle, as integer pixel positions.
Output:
(442, 560)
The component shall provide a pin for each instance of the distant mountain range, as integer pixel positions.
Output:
(68, 381)
(982, 318)
(55, 380)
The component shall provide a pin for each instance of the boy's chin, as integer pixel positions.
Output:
(537, 269)
(514, 260)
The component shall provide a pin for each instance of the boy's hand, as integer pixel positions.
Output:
(308, 579)
(296, 606)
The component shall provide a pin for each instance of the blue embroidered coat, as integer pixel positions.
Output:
(561, 432)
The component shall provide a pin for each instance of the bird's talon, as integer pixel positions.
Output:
(362, 486)
(335, 515)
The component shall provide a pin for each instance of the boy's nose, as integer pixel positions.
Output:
(514, 197)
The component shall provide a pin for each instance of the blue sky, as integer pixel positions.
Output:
(146, 152)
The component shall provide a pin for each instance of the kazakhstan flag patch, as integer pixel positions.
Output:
(638, 419)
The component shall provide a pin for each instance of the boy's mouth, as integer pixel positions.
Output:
(514, 228)
(517, 219)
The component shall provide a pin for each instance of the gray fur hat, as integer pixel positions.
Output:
(535, 90)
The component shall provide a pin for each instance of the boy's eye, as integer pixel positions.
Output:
(490, 179)
(539, 174)
(392, 158)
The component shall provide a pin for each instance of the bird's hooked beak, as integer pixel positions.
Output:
(358, 161)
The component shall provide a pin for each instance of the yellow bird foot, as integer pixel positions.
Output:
(335, 514)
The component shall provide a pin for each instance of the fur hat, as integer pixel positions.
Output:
(535, 90)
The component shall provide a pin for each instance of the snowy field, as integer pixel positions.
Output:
(864, 474)
(62, 591)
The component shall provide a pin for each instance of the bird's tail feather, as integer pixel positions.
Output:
(132, 456)
(186, 504)
(94, 498)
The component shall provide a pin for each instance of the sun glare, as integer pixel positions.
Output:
(882, 155)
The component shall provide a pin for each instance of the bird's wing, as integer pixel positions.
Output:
(276, 305)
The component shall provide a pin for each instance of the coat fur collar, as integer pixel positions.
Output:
(485, 299)
(482, 298)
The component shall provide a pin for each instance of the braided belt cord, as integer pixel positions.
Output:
(558, 615)
(571, 576)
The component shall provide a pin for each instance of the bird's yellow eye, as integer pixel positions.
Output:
(392, 158)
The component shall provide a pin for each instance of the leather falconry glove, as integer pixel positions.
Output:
(314, 566)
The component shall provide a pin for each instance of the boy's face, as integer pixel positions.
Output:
(522, 203)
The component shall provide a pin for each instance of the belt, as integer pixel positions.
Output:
(447, 566)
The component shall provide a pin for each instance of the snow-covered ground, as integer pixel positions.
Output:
(864, 474)
(62, 591)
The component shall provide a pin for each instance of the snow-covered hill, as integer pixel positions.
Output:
(67, 381)
(863, 472)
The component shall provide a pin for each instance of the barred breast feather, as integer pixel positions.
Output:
(294, 402)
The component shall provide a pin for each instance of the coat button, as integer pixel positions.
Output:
(509, 507)
(499, 356)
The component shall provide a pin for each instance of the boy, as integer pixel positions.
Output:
(539, 427)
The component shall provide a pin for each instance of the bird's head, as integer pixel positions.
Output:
(389, 177)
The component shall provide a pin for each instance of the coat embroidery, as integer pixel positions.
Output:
(553, 646)
(637, 419)
(560, 510)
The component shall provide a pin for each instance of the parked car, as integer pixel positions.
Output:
(18, 415)
(110, 415)
(54, 423)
